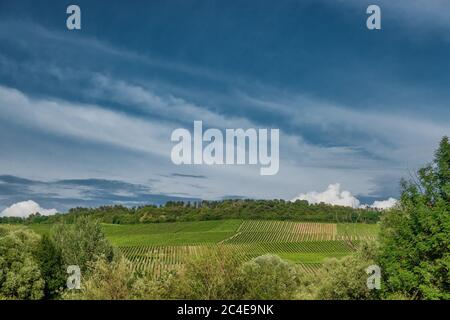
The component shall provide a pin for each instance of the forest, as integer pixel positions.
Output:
(299, 210)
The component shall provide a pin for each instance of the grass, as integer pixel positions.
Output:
(176, 233)
(358, 229)
(41, 228)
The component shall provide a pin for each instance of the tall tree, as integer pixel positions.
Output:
(415, 237)
(51, 263)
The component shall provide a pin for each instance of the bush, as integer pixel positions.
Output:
(220, 275)
(20, 276)
(107, 280)
(81, 243)
(212, 275)
(346, 278)
(268, 277)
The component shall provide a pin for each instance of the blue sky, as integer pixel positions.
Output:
(86, 116)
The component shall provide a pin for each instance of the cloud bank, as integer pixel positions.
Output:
(114, 119)
(334, 196)
(69, 193)
(25, 208)
(384, 204)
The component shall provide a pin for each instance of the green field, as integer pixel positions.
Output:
(155, 247)
(176, 233)
(357, 229)
(40, 228)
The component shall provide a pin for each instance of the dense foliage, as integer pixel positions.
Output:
(81, 243)
(213, 275)
(109, 280)
(51, 264)
(34, 267)
(414, 246)
(299, 210)
(20, 276)
(268, 277)
(346, 278)
(415, 238)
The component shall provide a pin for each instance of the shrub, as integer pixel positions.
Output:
(268, 277)
(212, 275)
(20, 276)
(346, 278)
(81, 243)
(107, 280)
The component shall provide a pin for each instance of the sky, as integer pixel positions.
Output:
(86, 115)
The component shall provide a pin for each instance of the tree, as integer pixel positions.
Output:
(20, 277)
(81, 243)
(51, 264)
(415, 246)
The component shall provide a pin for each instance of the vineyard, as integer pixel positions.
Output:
(306, 244)
(155, 259)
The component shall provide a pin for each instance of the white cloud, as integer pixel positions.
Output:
(88, 122)
(384, 204)
(152, 137)
(170, 107)
(393, 137)
(333, 195)
(25, 208)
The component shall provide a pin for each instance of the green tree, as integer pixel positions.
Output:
(415, 245)
(51, 264)
(81, 243)
(20, 276)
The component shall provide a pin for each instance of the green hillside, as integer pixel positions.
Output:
(159, 246)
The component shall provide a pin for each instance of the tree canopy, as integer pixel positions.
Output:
(415, 238)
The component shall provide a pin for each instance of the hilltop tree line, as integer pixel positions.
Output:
(173, 211)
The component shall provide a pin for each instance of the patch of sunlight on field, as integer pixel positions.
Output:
(41, 228)
(171, 233)
(175, 233)
(358, 229)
